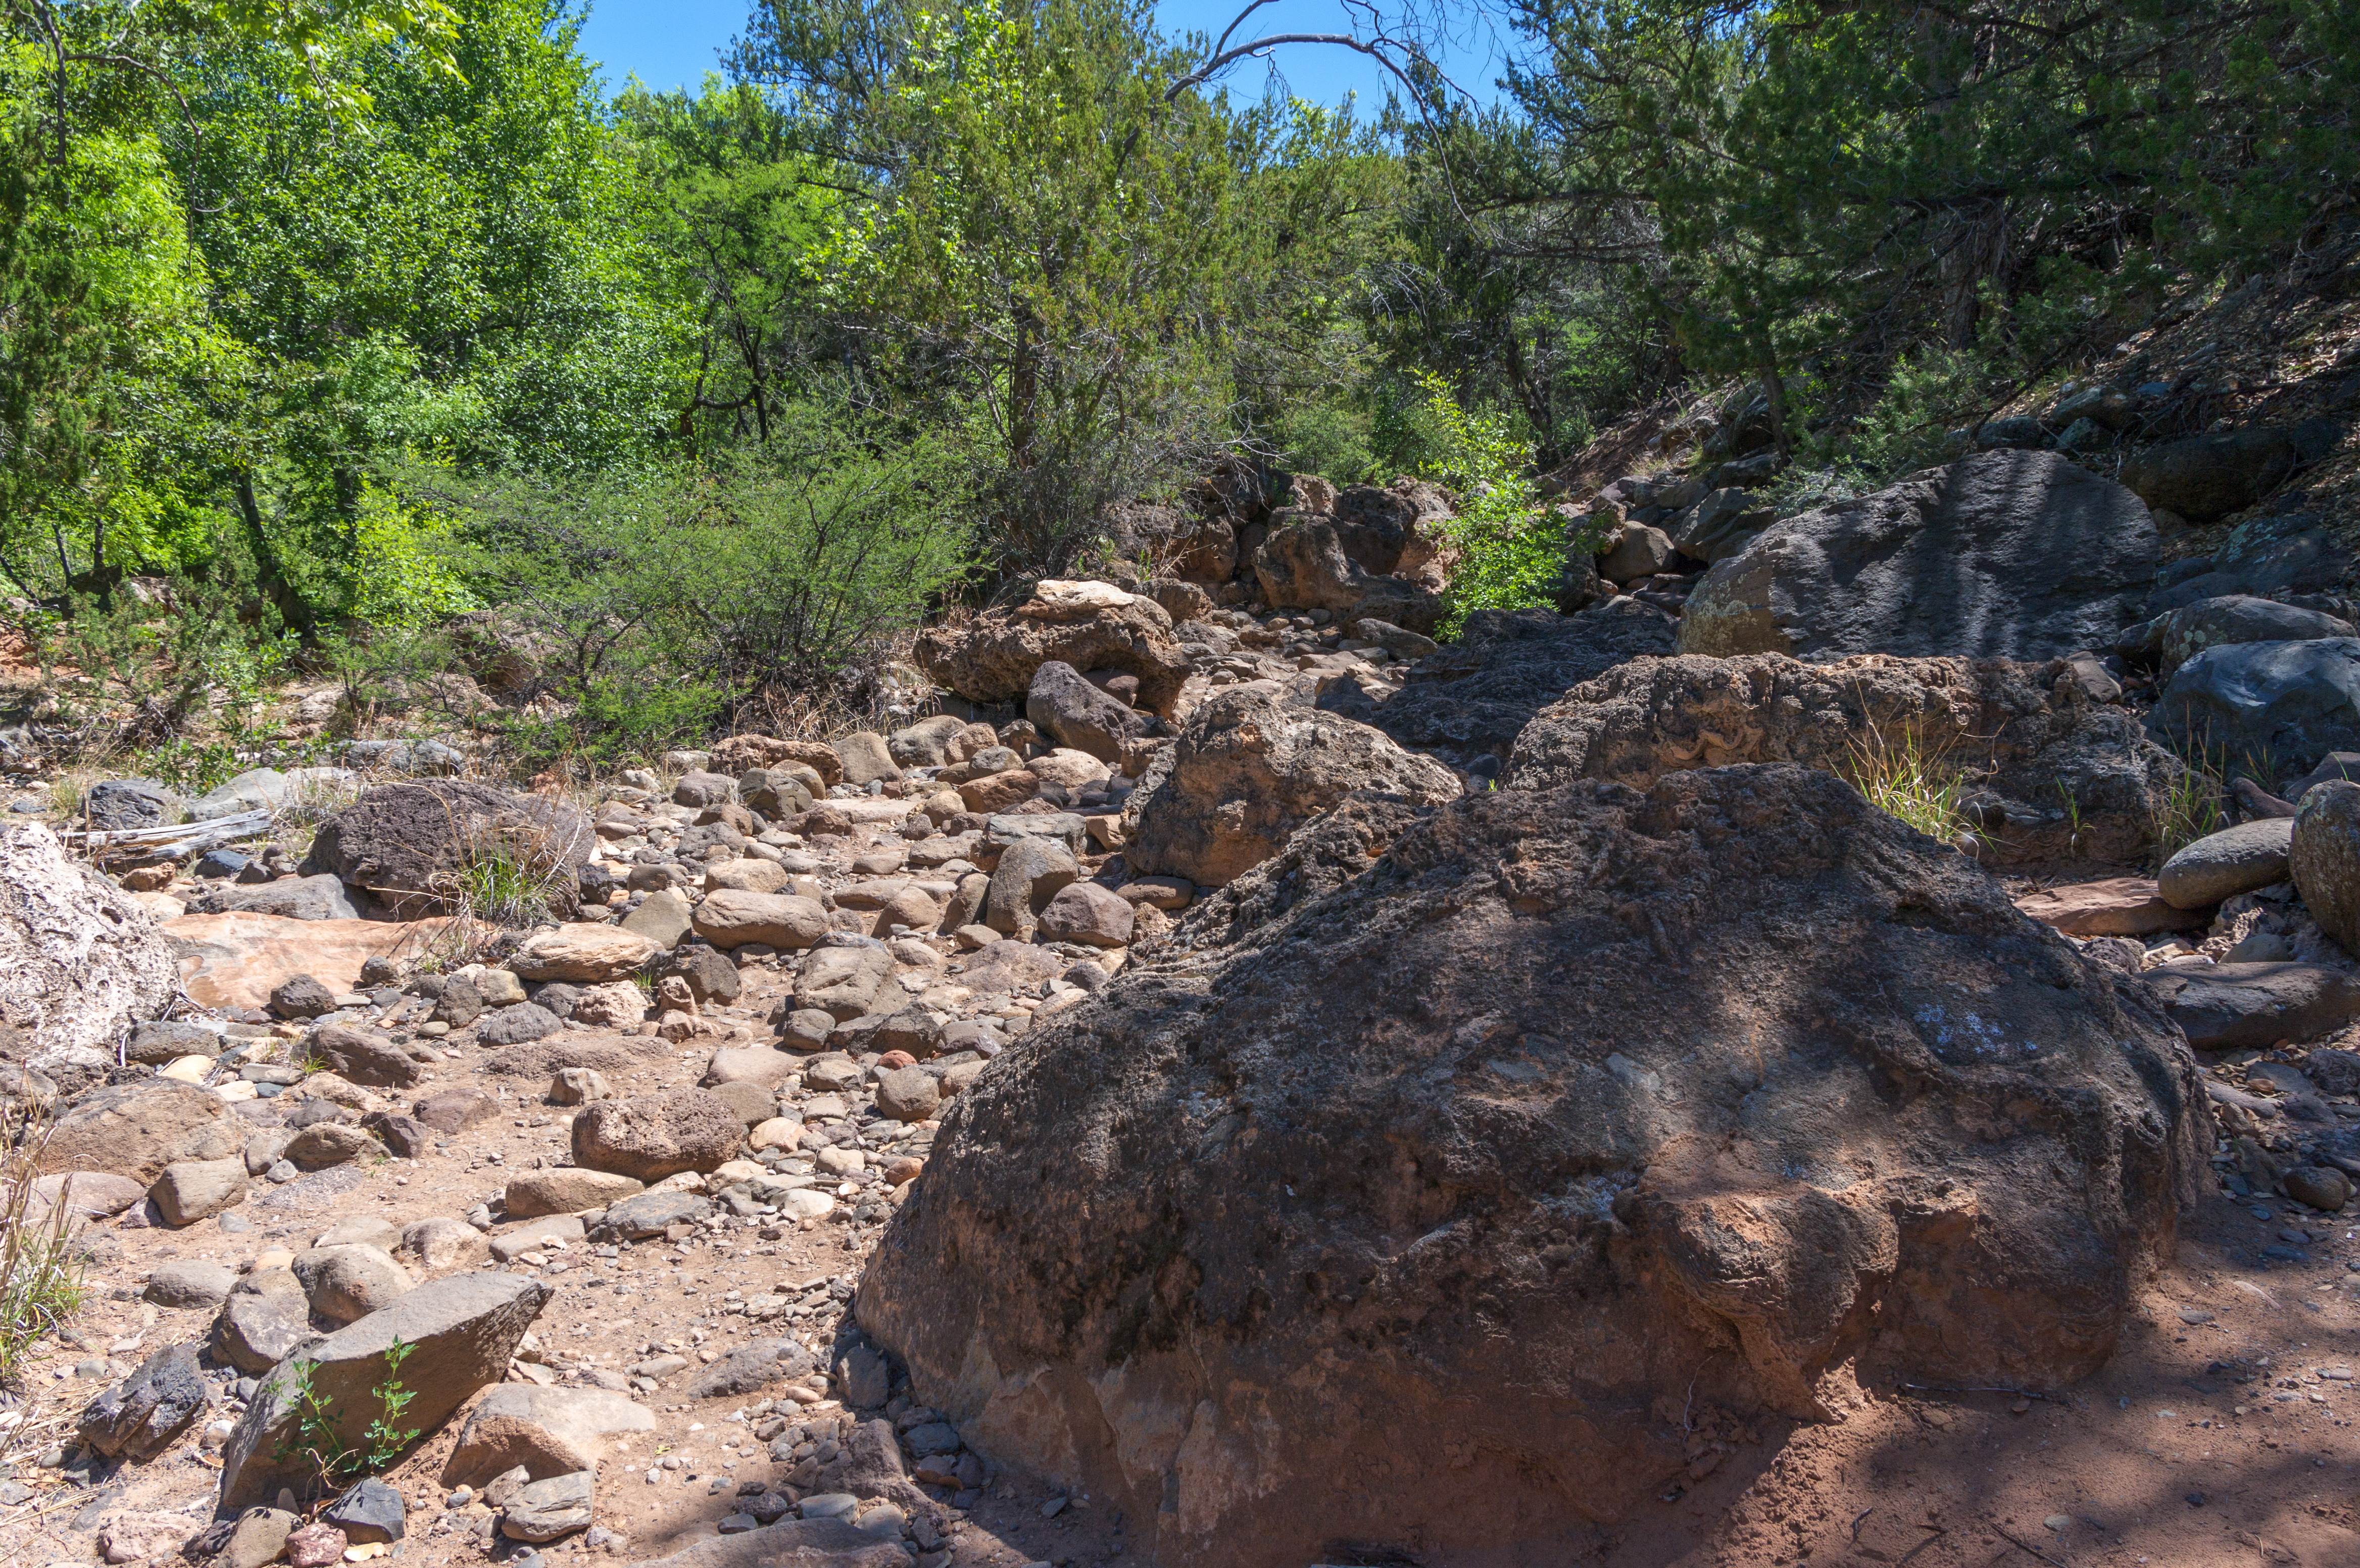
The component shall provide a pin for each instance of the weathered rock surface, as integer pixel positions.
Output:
(584, 955)
(136, 1129)
(78, 959)
(407, 843)
(2113, 907)
(1306, 566)
(2284, 705)
(140, 1416)
(2007, 555)
(2026, 736)
(1248, 769)
(550, 1431)
(650, 1136)
(1077, 714)
(2251, 1006)
(792, 1543)
(461, 1331)
(729, 919)
(1478, 693)
(1583, 1102)
(237, 960)
(1091, 625)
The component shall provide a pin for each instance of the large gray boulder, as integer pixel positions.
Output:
(2220, 865)
(2264, 557)
(2048, 773)
(1579, 1104)
(1249, 769)
(2268, 709)
(2008, 555)
(138, 1128)
(2323, 851)
(460, 1332)
(80, 961)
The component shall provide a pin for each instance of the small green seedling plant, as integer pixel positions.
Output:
(316, 1442)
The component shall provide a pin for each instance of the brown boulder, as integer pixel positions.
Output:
(1306, 566)
(2114, 906)
(650, 1136)
(1249, 769)
(1090, 625)
(1581, 1105)
(237, 960)
(741, 753)
(136, 1129)
(2048, 774)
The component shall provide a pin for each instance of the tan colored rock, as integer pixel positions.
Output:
(1250, 769)
(1091, 625)
(729, 920)
(136, 1129)
(610, 1006)
(650, 1136)
(548, 1431)
(565, 1191)
(741, 753)
(191, 1191)
(583, 954)
(748, 875)
(237, 960)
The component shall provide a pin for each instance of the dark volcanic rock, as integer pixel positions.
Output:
(1475, 694)
(1580, 1103)
(2007, 555)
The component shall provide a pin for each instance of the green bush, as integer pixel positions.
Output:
(1512, 549)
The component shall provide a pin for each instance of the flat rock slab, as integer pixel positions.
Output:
(237, 960)
(549, 1432)
(2116, 906)
(2227, 1007)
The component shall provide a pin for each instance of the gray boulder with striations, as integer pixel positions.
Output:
(2013, 554)
(2173, 638)
(1579, 1104)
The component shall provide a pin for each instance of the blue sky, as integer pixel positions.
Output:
(672, 43)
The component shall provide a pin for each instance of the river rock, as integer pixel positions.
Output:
(730, 920)
(144, 1414)
(2170, 639)
(134, 1130)
(2324, 853)
(650, 1136)
(547, 1431)
(2278, 706)
(583, 954)
(407, 843)
(2233, 861)
(1625, 1163)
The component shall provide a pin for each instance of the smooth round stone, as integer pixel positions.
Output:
(2221, 865)
(829, 1505)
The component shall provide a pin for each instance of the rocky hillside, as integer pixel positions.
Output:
(1833, 1042)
